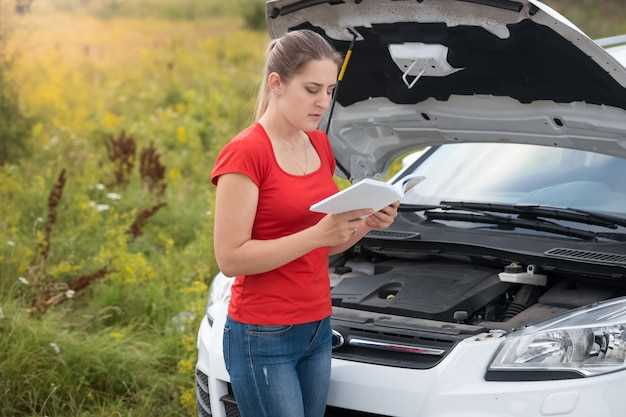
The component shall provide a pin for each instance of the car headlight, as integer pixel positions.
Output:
(219, 293)
(585, 342)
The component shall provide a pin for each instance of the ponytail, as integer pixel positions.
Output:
(263, 96)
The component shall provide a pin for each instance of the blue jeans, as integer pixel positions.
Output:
(279, 371)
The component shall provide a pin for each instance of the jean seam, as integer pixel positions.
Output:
(256, 385)
(317, 329)
(278, 332)
(227, 350)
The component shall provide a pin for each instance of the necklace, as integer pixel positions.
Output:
(292, 148)
(306, 158)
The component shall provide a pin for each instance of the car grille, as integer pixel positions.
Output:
(393, 349)
(402, 342)
(388, 234)
(202, 394)
(230, 406)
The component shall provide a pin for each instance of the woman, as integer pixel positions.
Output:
(277, 337)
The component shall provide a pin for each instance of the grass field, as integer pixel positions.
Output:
(124, 345)
(106, 218)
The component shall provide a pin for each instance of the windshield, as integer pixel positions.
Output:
(619, 53)
(521, 174)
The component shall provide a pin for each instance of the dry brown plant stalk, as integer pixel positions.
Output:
(121, 151)
(152, 171)
(135, 229)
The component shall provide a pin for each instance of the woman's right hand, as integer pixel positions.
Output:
(336, 229)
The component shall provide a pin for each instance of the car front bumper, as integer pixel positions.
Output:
(456, 387)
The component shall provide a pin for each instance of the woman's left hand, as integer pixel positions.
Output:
(384, 218)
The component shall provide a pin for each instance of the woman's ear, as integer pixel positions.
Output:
(275, 83)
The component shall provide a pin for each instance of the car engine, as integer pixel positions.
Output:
(459, 291)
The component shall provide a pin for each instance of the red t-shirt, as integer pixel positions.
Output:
(299, 291)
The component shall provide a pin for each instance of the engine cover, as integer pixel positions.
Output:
(429, 290)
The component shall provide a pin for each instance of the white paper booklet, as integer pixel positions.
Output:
(367, 193)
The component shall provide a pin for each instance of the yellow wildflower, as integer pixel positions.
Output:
(174, 175)
(189, 343)
(188, 401)
(180, 108)
(196, 287)
(182, 135)
(62, 267)
(185, 366)
(110, 120)
(37, 129)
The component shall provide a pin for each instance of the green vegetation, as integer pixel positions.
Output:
(252, 11)
(59, 366)
(14, 126)
(106, 227)
(597, 18)
(166, 9)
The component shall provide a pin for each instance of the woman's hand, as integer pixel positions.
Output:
(384, 218)
(335, 229)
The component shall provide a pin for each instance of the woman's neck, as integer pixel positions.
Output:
(278, 127)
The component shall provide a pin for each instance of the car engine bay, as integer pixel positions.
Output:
(459, 290)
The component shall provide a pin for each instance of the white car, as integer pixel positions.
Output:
(499, 290)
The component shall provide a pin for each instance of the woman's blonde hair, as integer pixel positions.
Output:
(288, 54)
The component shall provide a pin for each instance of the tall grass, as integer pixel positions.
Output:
(53, 366)
(252, 11)
(596, 17)
(126, 342)
(14, 125)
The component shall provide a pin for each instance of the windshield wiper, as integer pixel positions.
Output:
(418, 207)
(533, 211)
(540, 225)
(528, 217)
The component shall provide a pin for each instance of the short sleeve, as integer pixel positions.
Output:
(236, 157)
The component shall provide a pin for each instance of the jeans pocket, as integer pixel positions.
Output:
(226, 347)
(268, 330)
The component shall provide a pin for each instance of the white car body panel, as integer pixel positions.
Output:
(454, 388)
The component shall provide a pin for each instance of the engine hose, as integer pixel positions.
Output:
(513, 310)
(524, 298)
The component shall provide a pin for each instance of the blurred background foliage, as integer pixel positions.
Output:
(111, 114)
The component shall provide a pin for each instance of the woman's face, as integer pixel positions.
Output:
(305, 97)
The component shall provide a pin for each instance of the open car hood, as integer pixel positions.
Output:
(450, 71)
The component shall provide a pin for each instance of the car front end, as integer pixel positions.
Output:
(500, 290)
